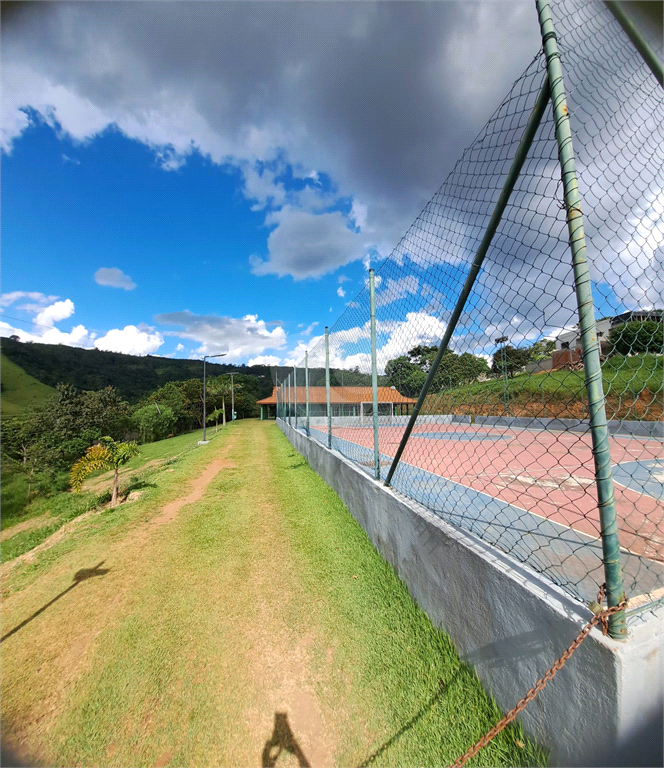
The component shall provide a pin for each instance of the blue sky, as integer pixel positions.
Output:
(188, 179)
(194, 178)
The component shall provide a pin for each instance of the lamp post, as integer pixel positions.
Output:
(232, 397)
(205, 358)
(503, 364)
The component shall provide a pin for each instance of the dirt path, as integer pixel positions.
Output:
(234, 615)
(266, 656)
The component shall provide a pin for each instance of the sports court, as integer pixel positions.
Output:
(530, 492)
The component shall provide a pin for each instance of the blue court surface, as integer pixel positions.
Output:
(645, 476)
(570, 558)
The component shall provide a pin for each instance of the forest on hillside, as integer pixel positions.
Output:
(134, 377)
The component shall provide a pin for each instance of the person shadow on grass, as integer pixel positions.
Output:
(282, 738)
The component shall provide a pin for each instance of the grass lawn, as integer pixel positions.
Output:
(632, 385)
(19, 389)
(254, 620)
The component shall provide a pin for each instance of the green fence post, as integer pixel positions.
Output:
(647, 54)
(306, 386)
(510, 181)
(327, 387)
(591, 359)
(295, 394)
(374, 372)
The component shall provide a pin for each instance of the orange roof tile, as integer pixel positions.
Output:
(343, 395)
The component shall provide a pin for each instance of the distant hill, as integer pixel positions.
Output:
(19, 389)
(91, 369)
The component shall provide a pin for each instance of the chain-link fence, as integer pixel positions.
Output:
(539, 339)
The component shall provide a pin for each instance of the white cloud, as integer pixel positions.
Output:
(309, 328)
(296, 356)
(340, 292)
(179, 348)
(265, 360)
(114, 278)
(358, 214)
(308, 245)
(55, 312)
(236, 337)
(301, 83)
(393, 290)
(131, 340)
(402, 335)
(342, 279)
(262, 187)
(40, 298)
(79, 336)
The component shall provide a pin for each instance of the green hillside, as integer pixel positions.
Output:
(19, 389)
(134, 377)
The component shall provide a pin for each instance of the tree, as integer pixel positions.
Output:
(408, 372)
(154, 421)
(637, 337)
(541, 350)
(108, 454)
(220, 388)
(509, 360)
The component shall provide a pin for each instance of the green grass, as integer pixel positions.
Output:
(64, 506)
(19, 389)
(433, 704)
(563, 392)
(205, 626)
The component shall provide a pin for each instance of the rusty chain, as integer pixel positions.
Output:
(601, 617)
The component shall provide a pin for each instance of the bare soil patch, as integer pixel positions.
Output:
(198, 486)
(26, 525)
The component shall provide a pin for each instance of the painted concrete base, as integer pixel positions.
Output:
(603, 708)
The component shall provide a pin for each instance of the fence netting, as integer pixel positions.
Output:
(502, 446)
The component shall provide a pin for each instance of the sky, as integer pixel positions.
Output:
(203, 178)
(186, 179)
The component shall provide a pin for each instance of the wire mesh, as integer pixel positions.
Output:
(502, 446)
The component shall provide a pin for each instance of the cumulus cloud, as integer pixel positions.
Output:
(265, 360)
(79, 336)
(131, 340)
(310, 85)
(50, 315)
(236, 337)
(340, 292)
(308, 245)
(114, 278)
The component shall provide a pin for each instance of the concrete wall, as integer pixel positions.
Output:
(603, 708)
(539, 366)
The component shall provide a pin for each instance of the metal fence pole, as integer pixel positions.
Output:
(647, 54)
(374, 372)
(306, 387)
(589, 343)
(295, 394)
(327, 387)
(289, 401)
(510, 181)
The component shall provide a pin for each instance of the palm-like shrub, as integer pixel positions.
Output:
(107, 454)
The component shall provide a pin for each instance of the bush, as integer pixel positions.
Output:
(637, 337)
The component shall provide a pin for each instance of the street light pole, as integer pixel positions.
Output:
(503, 364)
(205, 358)
(232, 398)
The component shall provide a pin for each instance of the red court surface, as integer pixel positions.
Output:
(549, 474)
